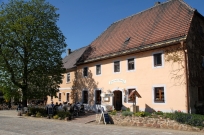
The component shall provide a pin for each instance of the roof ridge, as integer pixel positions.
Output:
(188, 6)
(156, 6)
(79, 48)
(75, 51)
(142, 11)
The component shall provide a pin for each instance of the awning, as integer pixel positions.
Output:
(134, 93)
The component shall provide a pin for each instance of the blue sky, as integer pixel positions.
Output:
(82, 21)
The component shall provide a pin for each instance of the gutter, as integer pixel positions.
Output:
(187, 77)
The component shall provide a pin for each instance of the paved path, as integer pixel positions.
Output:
(14, 125)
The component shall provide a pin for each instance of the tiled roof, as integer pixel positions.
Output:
(165, 21)
(70, 60)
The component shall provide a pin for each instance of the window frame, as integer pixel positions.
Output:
(97, 70)
(68, 81)
(162, 59)
(87, 96)
(67, 100)
(97, 97)
(59, 96)
(118, 65)
(134, 60)
(86, 72)
(153, 94)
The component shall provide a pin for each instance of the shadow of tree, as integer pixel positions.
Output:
(81, 83)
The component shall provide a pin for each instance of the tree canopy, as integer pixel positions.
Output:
(31, 45)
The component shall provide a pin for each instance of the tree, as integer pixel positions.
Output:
(31, 45)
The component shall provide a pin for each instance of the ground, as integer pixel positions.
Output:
(11, 124)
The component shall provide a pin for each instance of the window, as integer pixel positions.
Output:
(98, 69)
(200, 94)
(85, 72)
(159, 94)
(203, 61)
(98, 97)
(60, 94)
(67, 97)
(117, 66)
(129, 99)
(68, 77)
(51, 98)
(157, 59)
(85, 97)
(131, 64)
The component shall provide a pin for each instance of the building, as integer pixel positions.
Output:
(64, 94)
(157, 52)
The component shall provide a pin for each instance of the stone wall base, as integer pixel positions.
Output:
(150, 122)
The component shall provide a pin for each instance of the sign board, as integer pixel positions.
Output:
(117, 80)
(105, 118)
(109, 95)
(50, 110)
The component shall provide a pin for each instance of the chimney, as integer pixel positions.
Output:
(68, 52)
(157, 3)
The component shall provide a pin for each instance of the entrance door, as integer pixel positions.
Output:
(117, 101)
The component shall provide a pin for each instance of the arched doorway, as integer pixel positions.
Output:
(117, 100)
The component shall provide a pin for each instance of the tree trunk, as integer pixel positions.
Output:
(24, 97)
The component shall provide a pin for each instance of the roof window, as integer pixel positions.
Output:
(127, 40)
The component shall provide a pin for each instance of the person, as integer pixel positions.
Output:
(56, 106)
(60, 107)
(19, 107)
(64, 106)
(52, 104)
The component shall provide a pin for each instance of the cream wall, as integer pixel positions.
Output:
(65, 87)
(143, 78)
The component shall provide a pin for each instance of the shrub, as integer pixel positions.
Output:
(63, 114)
(56, 117)
(34, 111)
(127, 113)
(190, 119)
(142, 114)
(113, 112)
(128, 109)
(38, 114)
(169, 115)
(28, 114)
(159, 113)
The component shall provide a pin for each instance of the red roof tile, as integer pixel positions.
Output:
(162, 22)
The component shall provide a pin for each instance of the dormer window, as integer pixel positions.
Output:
(127, 40)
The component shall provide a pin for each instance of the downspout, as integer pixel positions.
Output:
(187, 76)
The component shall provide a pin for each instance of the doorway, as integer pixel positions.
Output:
(117, 100)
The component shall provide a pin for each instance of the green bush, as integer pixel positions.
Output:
(63, 114)
(128, 109)
(127, 113)
(168, 115)
(142, 114)
(38, 114)
(34, 111)
(113, 112)
(159, 113)
(56, 117)
(190, 119)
